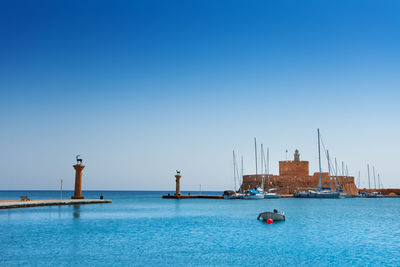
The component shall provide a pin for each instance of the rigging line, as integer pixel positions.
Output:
(261, 158)
(261, 163)
(268, 167)
(234, 170)
(237, 172)
(255, 155)
(335, 177)
(265, 168)
(241, 174)
(323, 146)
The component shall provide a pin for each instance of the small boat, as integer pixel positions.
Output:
(230, 194)
(373, 194)
(275, 216)
(233, 194)
(344, 195)
(270, 194)
(369, 195)
(318, 194)
(256, 193)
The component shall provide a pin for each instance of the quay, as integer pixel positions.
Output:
(287, 195)
(76, 199)
(178, 194)
(193, 196)
(210, 196)
(13, 204)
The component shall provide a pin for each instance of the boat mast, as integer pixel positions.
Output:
(379, 182)
(255, 153)
(268, 167)
(369, 183)
(344, 187)
(319, 160)
(337, 177)
(234, 171)
(262, 162)
(359, 174)
(265, 173)
(261, 159)
(329, 169)
(347, 172)
(373, 169)
(241, 174)
(237, 171)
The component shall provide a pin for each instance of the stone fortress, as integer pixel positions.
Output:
(294, 176)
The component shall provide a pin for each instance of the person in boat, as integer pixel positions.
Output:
(275, 211)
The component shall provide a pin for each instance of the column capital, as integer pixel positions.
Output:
(78, 167)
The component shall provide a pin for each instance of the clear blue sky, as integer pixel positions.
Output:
(140, 89)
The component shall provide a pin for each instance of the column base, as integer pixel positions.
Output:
(77, 197)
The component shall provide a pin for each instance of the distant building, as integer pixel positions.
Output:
(294, 175)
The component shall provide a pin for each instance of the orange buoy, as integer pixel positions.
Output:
(269, 221)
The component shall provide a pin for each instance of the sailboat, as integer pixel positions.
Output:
(269, 193)
(374, 194)
(233, 194)
(258, 192)
(320, 192)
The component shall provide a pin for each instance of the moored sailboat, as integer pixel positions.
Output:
(258, 192)
(269, 194)
(320, 192)
(233, 194)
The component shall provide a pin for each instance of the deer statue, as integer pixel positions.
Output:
(78, 160)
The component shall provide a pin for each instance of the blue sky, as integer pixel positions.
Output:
(140, 89)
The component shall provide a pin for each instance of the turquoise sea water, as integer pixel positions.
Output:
(140, 228)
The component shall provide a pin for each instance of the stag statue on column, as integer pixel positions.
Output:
(78, 160)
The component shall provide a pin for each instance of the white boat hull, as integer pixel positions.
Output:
(233, 196)
(271, 195)
(256, 196)
(312, 194)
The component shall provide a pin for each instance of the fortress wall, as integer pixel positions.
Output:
(294, 176)
(287, 184)
(296, 168)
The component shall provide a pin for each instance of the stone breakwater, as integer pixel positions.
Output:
(12, 204)
(193, 196)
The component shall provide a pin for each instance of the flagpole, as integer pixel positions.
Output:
(61, 188)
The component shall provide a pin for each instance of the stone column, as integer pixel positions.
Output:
(178, 184)
(78, 181)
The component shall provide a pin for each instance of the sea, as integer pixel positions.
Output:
(141, 229)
